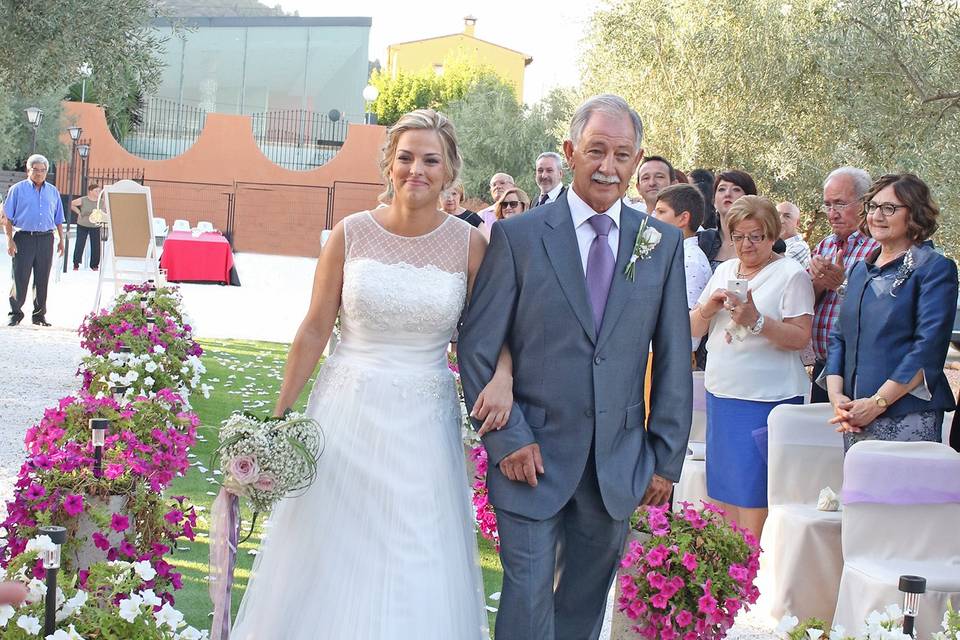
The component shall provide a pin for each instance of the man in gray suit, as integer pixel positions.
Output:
(579, 452)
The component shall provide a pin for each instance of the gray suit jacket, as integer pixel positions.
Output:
(573, 387)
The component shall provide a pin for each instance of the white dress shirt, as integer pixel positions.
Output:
(581, 212)
(551, 195)
(799, 250)
(697, 269)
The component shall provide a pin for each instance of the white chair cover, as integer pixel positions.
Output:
(159, 226)
(801, 564)
(203, 225)
(181, 225)
(692, 486)
(884, 538)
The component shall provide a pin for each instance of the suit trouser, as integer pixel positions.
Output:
(82, 234)
(557, 572)
(818, 393)
(34, 255)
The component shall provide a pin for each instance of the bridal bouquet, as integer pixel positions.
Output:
(262, 460)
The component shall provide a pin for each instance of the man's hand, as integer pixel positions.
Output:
(60, 247)
(523, 465)
(11, 247)
(658, 491)
(828, 274)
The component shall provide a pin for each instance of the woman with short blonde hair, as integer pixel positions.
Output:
(513, 201)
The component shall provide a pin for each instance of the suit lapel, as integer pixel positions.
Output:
(560, 242)
(621, 287)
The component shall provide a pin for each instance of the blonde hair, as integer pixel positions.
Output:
(521, 196)
(421, 119)
(755, 208)
(457, 186)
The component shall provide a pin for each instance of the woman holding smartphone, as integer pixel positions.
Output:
(757, 313)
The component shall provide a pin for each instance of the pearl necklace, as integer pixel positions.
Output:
(741, 276)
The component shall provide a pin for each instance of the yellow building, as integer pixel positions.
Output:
(430, 53)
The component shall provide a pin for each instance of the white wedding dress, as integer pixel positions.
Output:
(382, 546)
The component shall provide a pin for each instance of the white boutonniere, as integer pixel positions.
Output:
(647, 240)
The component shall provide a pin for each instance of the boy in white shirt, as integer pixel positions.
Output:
(681, 205)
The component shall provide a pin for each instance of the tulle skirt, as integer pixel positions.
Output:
(382, 546)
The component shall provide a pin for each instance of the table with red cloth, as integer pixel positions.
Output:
(203, 258)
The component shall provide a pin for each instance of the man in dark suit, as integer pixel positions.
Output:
(549, 167)
(34, 209)
(579, 452)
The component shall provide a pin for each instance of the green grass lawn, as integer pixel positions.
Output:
(245, 375)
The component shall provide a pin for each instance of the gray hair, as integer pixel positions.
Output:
(860, 179)
(37, 159)
(606, 103)
(551, 154)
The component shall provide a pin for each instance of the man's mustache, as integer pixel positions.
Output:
(599, 177)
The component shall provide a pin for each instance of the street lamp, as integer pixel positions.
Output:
(74, 132)
(51, 564)
(85, 71)
(370, 94)
(34, 118)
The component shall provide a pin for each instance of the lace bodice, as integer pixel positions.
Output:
(402, 296)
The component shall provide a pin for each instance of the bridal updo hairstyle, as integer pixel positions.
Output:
(421, 119)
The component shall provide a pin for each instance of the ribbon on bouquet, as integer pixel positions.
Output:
(224, 536)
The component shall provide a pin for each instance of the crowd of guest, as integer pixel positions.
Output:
(863, 320)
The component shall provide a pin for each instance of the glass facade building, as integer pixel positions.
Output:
(248, 65)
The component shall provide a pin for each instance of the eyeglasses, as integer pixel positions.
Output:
(887, 209)
(510, 204)
(754, 238)
(827, 207)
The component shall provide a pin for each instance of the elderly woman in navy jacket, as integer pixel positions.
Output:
(884, 370)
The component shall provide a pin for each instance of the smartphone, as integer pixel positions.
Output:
(738, 287)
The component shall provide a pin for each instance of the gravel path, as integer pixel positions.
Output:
(37, 367)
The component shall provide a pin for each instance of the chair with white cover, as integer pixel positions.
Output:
(901, 511)
(692, 486)
(801, 562)
(205, 226)
(131, 245)
(160, 229)
(181, 225)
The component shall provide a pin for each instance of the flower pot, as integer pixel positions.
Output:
(87, 553)
(621, 627)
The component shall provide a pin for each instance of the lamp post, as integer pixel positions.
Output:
(119, 392)
(34, 118)
(51, 564)
(98, 436)
(912, 587)
(85, 71)
(74, 132)
(370, 94)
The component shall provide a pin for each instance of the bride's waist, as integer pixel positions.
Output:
(393, 358)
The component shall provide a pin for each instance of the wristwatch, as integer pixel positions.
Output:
(880, 400)
(757, 326)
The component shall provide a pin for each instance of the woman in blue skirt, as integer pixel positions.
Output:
(757, 312)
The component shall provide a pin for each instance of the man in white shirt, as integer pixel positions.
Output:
(797, 247)
(499, 184)
(681, 205)
(549, 168)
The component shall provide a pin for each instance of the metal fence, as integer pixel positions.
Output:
(105, 176)
(167, 129)
(298, 139)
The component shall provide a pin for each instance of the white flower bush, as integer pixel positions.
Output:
(144, 374)
(879, 625)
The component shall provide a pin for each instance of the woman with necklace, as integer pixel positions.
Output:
(884, 370)
(754, 338)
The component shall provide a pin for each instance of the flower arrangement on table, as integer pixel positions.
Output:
(691, 575)
(262, 461)
(113, 604)
(879, 625)
(145, 450)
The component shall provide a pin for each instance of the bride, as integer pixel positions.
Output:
(382, 545)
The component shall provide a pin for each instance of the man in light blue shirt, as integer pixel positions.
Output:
(33, 210)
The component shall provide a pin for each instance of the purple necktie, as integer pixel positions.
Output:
(600, 264)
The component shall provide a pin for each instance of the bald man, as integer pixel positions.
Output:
(499, 184)
(797, 247)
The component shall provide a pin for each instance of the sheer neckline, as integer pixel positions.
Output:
(397, 235)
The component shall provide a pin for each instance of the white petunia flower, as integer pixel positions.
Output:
(192, 634)
(30, 624)
(168, 616)
(37, 591)
(130, 608)
(815, 634)
(6, 612)
(41, 544)
(145, 570)
(157, 348)
(148, 382)
(787, 624)
(150, 598)
(150, 366)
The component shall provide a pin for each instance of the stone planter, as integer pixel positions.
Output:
(620, 628)
(88, 554)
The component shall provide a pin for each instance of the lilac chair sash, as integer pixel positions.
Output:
(884, 478)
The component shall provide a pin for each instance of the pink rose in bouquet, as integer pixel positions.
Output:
(244, 469)
(265, 482)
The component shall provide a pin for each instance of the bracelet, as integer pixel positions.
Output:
(700, 311)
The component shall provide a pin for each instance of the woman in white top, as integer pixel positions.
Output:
(754, 344)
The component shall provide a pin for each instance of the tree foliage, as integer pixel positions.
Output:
(789, 90)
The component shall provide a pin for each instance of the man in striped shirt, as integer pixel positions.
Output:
(836, 254)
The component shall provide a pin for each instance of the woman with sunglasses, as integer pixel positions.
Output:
(513, 201)
(884, 370)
